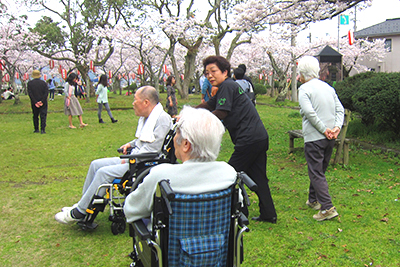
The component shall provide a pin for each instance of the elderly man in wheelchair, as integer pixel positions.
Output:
(196, 222)
(153, 125)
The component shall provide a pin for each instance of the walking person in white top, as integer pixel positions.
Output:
(102, 98)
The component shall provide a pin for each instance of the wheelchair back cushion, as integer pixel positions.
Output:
(199, 229)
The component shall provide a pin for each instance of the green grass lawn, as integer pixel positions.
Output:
(42, 173)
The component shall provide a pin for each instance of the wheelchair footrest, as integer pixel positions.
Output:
(87, 226)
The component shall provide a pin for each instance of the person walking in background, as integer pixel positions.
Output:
(232, 106)
(172, 102)
(72, 106)
(102, 98)
(245, 77)
(206, 90)
(52, 88)
(323, 116)
(238, 75)
(38, 92)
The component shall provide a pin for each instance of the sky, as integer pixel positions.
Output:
(377, 13)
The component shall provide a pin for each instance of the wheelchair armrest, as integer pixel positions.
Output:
(247, 181)
(139, 156)
(141, 229)
(128, 150)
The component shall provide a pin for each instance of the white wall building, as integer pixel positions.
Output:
(390, 31)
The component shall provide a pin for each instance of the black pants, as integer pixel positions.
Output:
(318, 154)
(42, 112)
(252, 159)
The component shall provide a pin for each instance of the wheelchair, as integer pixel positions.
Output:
(116, 192)
(193, 230)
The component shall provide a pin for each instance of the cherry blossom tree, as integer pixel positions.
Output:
(75, 43)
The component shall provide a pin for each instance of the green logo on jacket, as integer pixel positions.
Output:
(221, 101)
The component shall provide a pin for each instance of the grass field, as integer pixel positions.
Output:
(42, 173)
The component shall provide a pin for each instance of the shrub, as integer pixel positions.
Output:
(260, 89)
(132, 87)
(375, 96)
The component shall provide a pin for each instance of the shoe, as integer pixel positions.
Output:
(114, 120)
(101, 121)
(65, 217)
(72, 127)
(70, 208)
(326, 214)
(42, 131)
(83, 125)
(314, 205)
(36, 131)
(259, 219)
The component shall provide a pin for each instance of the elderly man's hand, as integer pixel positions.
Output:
(125, 147)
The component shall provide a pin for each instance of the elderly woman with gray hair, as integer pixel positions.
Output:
(323, 116)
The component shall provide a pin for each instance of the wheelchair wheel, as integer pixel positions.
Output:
(118, 227)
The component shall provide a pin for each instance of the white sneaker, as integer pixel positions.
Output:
(65, 217)
(70, 208)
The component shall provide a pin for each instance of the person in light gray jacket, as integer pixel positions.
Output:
(323, 116)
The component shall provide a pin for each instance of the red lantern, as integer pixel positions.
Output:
(6, 77)
(51, 64)
(64, 74)
(350, 34)
(110, 74)
(124, 75)
(165, 79)
(26, 76)
(182, 76)
(119, 76)
(270, 74)
(140, 69)
(2, 64)
(78, 72)
(165, 68)
(91, 65)
(44, 76)
(60, 69)
(260, 76)
(132, 75)
(17, 75)
(109, 81)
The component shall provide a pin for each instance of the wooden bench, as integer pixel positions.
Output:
(341, 144)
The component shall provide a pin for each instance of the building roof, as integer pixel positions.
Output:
(386, 28)
(328, 54)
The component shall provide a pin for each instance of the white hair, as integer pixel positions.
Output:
(204, 132)
(308, 67)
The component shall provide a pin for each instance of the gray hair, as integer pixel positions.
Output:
(150, 93)
(308, 67)
(203, 130)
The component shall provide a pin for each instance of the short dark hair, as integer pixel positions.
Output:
(239, 73)
(221, 63)
(71, 77)
(243, 67)
(169, 80)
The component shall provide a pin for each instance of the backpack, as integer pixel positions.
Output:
(248, 89)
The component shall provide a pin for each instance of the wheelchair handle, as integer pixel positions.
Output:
(145, 155)
(247, 181)
(166, 188)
